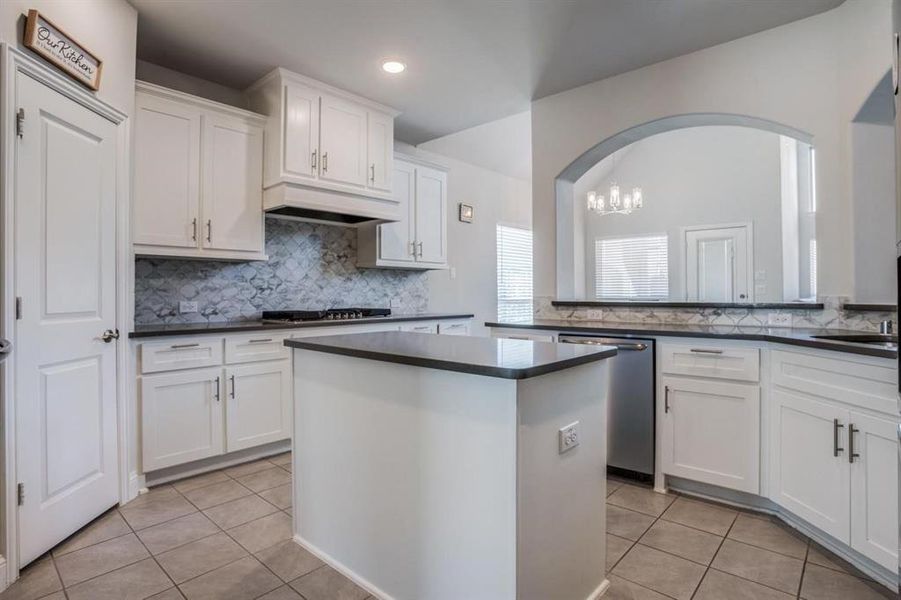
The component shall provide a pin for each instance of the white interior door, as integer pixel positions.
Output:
(716, 262)
(65, 274)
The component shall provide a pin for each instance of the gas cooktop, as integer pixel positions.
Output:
(332, 314)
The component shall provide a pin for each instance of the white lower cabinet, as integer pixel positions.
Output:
(181, 417)
(711, 432)
(810, 475)
(874, 487)
(259, 404)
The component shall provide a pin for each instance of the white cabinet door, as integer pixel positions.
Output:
(166, 173)
(431, 215)
(874, 488)
(232, 184)
(259, 404)
(342, 141)
(809, 470)
(301, 122)
(711, 432)
(454, 328)
(380, 149)
(396, 239)
(181, 417)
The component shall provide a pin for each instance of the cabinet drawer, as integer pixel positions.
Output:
(180, 354)
(420, 327)
(864, 383)
(251, 348)
(706, 360)
(454, 328)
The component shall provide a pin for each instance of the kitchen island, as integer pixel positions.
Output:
(430, 467)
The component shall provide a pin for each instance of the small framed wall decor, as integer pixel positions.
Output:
(51, 42)
(465, 213)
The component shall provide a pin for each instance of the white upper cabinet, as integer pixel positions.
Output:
(301, 120)
(167, 173)
(419, 239)
(198, 177)
(233, 173)
(380, 150)
(431, 216)
(328, 153)
(342, 141)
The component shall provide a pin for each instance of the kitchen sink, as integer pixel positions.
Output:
(862, 338)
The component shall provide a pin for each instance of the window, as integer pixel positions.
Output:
(514, 273)
(631, 267)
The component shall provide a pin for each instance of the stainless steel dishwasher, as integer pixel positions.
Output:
(630, 405)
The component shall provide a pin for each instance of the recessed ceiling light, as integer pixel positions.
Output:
(393, 66)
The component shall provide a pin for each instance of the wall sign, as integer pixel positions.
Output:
(56, 46)
(465, 213)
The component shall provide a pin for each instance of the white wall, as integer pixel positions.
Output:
(471, 283)
(812, 75)
(189, 84)
(874, 205)
(696, 176)
(108, 28)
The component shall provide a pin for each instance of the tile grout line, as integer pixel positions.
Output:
(153, 557)
(803, 569)
(713, 558)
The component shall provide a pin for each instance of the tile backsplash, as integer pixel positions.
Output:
(310, 266)
(832, 316)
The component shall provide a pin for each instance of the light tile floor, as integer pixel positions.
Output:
(227, 535)
(662, 546)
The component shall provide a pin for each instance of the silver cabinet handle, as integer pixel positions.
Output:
(372, 173)
(194, 229)
(835, 447)
(177, 346)
(260, 341)
(313, 160)
(665, 399)
(209, 230)
(705, 351)
(851, 453)
(420, 248)
(232, 378)
(325, 162)
(216, 396)
(413, 248)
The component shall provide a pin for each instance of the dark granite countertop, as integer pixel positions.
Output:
(689, 304)
(143, 331)
(782, 335)
(507, 359)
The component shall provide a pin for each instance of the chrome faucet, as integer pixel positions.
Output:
(886, 327)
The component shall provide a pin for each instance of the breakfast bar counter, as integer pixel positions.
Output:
(430, 467)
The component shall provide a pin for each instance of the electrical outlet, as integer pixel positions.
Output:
(595, 315)
(775, 319)
(568, 437)
(187, 307)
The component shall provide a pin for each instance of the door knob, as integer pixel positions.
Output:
(109, 335)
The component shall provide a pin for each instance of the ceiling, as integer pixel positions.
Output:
(469, 61)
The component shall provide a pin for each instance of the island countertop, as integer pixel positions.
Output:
(491, 357)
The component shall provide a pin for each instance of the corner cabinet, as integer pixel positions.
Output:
(419, 239)
(197, 177)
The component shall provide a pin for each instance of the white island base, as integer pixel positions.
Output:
(426, 484)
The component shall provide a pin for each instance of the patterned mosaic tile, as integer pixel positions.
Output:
(310, 266)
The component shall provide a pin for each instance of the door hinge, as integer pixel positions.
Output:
(20, 122)
(18, 307)
(20, 493)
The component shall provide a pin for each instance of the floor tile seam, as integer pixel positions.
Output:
(644, 586)
(803, 569)
(93, 577)
(713, 558)
(130, 532)
(153, 556)
(135, 531)
(768, 549)
(200, 539)
(222, 566)
(250, 491)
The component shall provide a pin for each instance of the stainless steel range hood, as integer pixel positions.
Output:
(299, 202)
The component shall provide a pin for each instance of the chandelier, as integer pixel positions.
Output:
(615, 203)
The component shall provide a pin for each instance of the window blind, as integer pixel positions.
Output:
(514, 273)
(632, 267)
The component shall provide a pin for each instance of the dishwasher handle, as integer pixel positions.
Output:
(634, 346)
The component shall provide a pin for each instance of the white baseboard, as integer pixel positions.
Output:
(341, 568)
(214, 463)
(600, 591)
